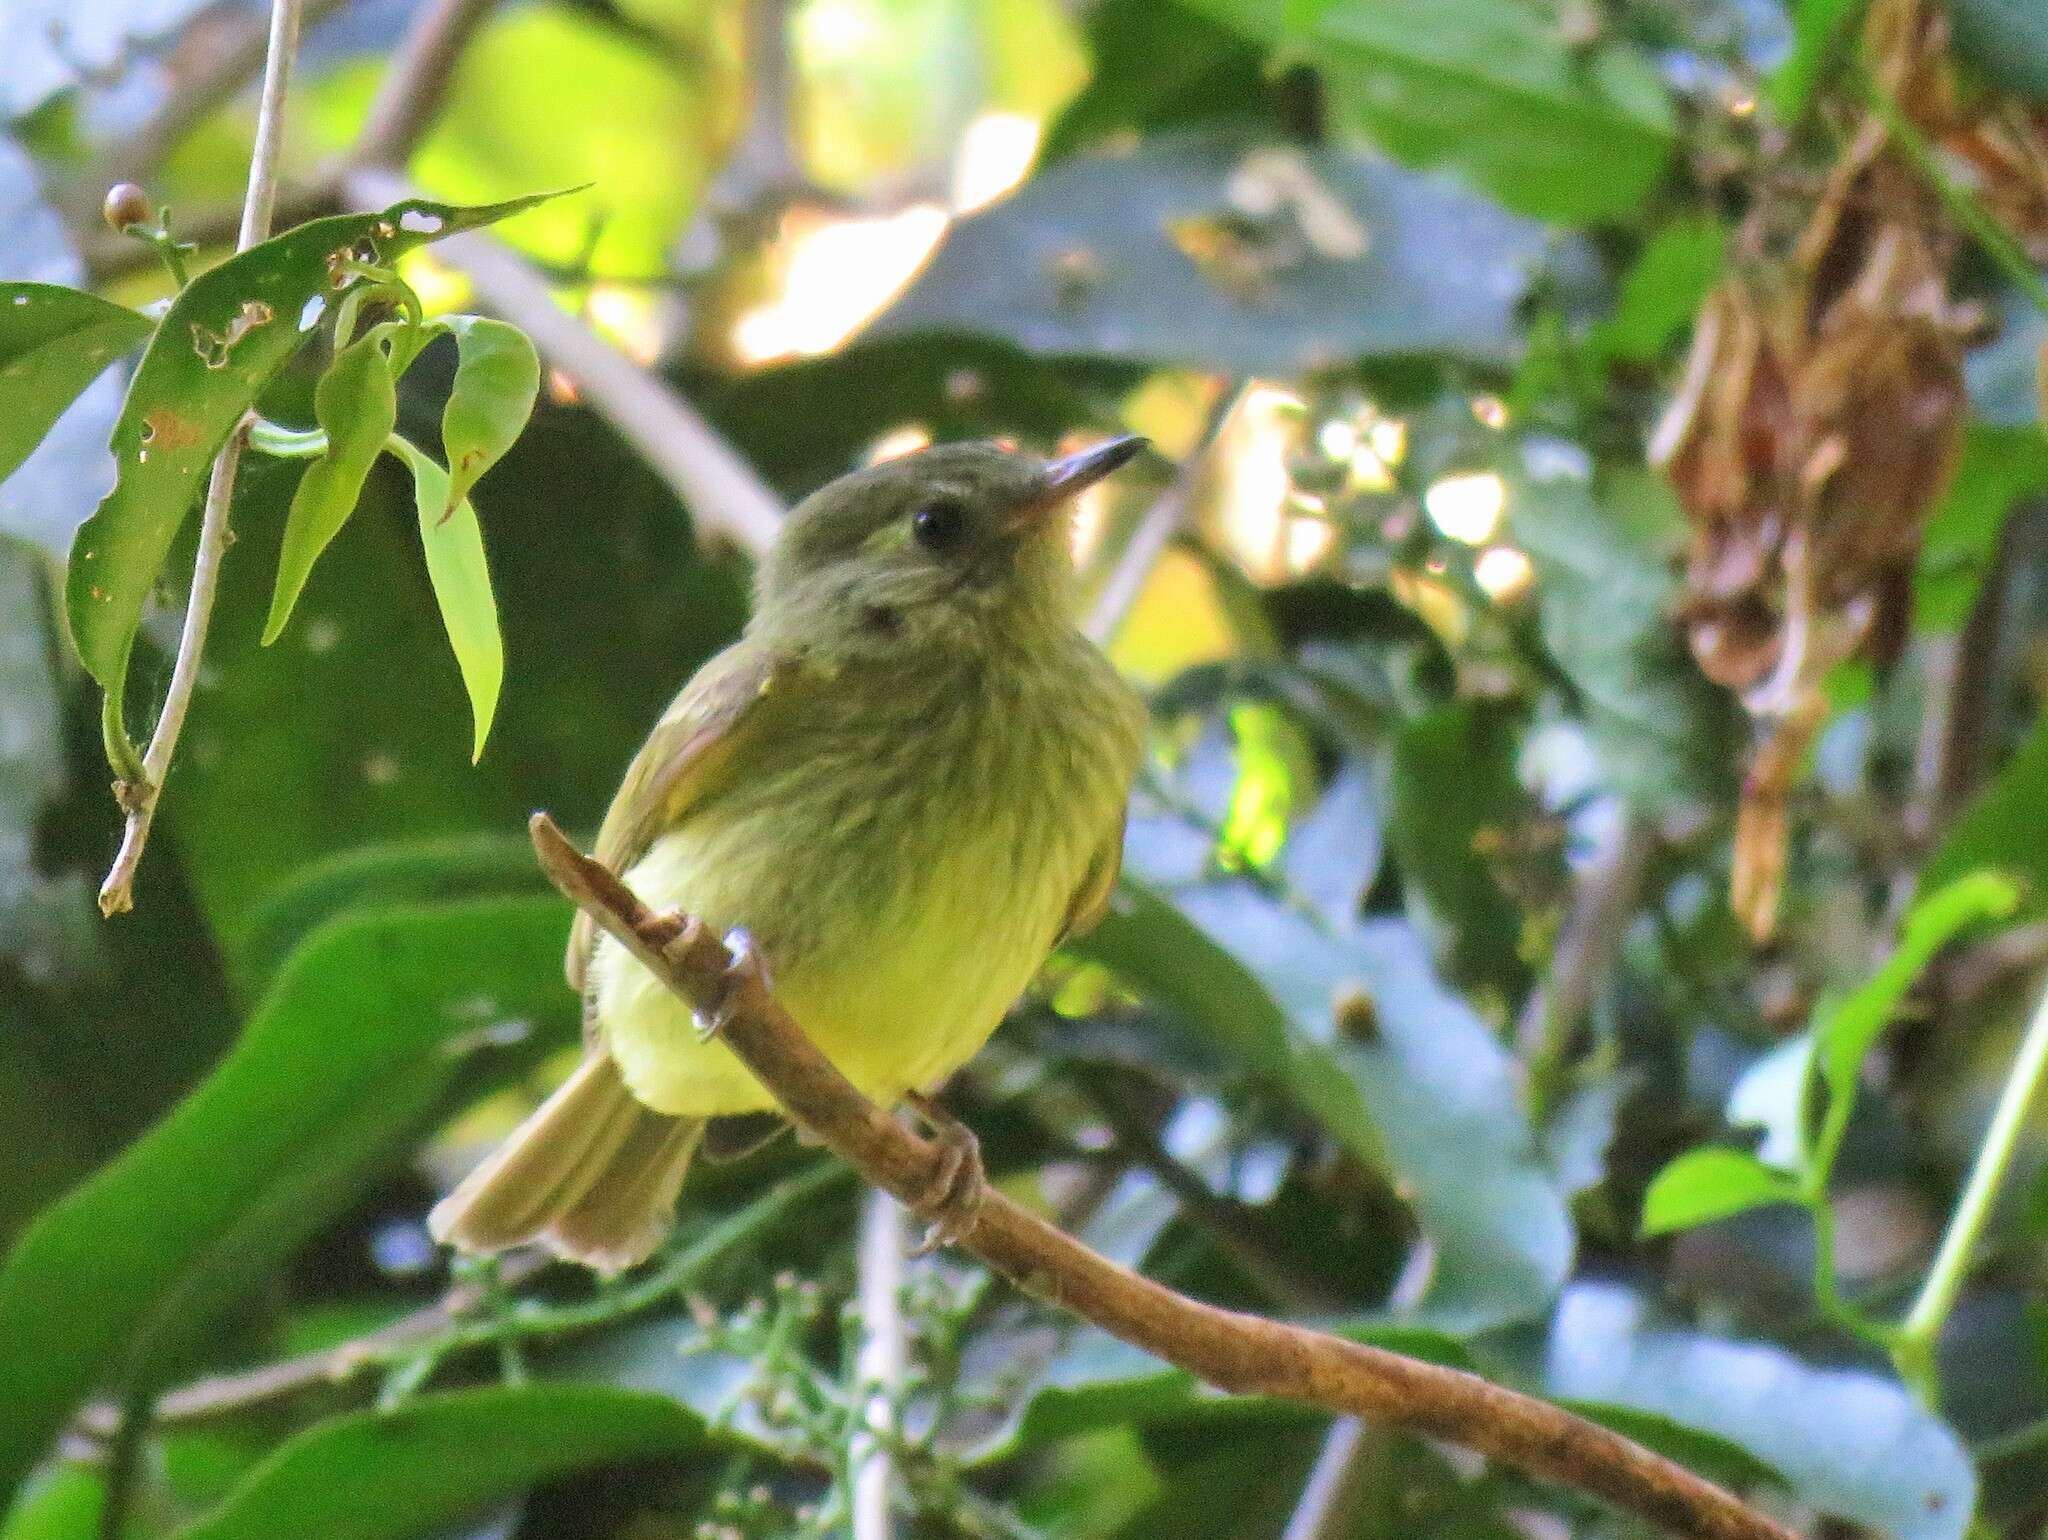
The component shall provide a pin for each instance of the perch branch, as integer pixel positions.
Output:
(1240, 1353)
(117, 893)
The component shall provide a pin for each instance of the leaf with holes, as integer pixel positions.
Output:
(462, 586)
(497, 377)
(356, 401)
(54, 342)
(225, 335)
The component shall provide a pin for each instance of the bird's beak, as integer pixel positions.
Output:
(1069, 476)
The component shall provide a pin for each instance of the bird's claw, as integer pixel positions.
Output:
(959, 1184)
(745, 971)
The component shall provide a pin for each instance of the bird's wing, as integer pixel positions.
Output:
(680, 761)
(1091, 900)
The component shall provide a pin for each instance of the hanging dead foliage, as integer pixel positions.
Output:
(1816, 424)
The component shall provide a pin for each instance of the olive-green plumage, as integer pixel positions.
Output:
(905, 783)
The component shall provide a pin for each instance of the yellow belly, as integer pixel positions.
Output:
(899, 980)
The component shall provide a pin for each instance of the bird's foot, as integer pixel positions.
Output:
(959, 1184)
(747, 970)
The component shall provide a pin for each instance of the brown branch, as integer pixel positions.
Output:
(1236, 1352)
(409, 96)
(221, 1395)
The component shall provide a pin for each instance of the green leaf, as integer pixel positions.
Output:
(1672, 274)
(226, 334)
(438, 1458)
(356, 402)
(497, 377)
(1999, 466)
(1703, 1185)
(1819, 28)
(2002, 827)
(1454, 789)
(462, 587)
(352, 1048)
(1156, 949)
(2008, 41)
(1495, 92)
(1845, 1030)
(1883, 1461)
(1433, 1078)
(1156, 257)
(1662, 734)
(54, 342)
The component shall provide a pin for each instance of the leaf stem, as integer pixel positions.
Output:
(139, 795)
(1961, 204)
(1914, 1349)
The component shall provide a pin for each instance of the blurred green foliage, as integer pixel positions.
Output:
(1420, 277)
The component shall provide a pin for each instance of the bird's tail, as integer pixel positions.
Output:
(593, 1175)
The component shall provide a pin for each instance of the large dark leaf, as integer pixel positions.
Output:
(1845, 1441)
(226, 334)
(1434, 1080)
(1211, 251)
(389, 1475)
(2008, 41)
(353, 1047)
(1661, 732)
(1496, 92)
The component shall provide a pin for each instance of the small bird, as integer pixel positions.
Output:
(904, 785)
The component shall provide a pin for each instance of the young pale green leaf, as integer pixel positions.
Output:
(225, 335)
(1703, 1185)
(351, 1047)
(1495, 92)
(356, 402)
(1846, 1030)
(461, 577)
(497, 377)
(387, 1475)
(54, 342)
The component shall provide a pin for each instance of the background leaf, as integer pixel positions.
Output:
(387, 1475)
(353, 1047)
(1223, 253)
(1495, 92)
(54, 342)
(1884, 1462)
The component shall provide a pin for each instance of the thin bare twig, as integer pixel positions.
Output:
(1156, 528)
(1603, 902)
(1236, 1352)
(409, 96)
(884, 1359)
(196, 94)
(117, 893)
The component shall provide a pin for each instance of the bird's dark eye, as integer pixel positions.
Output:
(939, 525)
